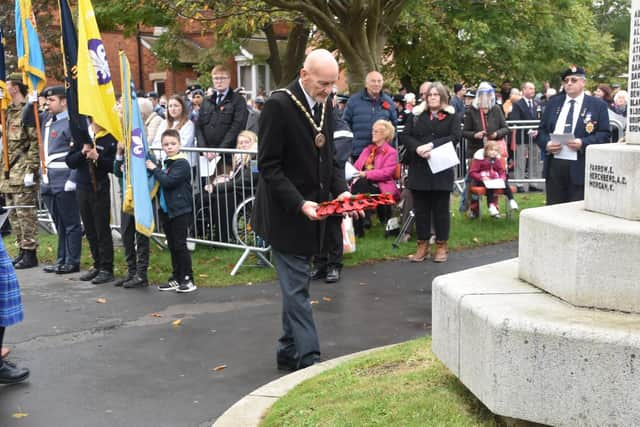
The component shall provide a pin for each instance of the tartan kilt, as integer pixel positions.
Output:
(10, 301)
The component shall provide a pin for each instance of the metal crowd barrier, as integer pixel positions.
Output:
(222, 203)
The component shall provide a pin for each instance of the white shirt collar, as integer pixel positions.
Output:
(578, 99)
(310, 101)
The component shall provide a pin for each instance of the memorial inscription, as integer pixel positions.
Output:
(603, 177)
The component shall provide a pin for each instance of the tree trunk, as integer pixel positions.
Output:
(284, 68)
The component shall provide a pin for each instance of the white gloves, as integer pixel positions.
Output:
(33, 97)
(69, 185)
(45, 179)
(28, 180)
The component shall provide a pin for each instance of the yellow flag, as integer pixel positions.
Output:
(95, 88)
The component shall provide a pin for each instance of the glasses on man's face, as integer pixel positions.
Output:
(572, 79)
(219, 78)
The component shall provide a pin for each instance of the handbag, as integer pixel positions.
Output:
(348, 235)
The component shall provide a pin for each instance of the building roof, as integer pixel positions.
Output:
(188, 50)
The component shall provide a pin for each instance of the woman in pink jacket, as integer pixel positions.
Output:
(377, 164)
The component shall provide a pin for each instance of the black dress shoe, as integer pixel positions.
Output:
(89, 275)
(11, 374)
(333, 275)
(136, 282)
(318, 273)
(120, 282)
(103, 277)
(67, 269)
(52, 268)
(287, 364)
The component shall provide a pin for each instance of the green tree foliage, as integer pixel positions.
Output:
(518, 40)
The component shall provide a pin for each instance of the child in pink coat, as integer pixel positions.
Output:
(488, 168)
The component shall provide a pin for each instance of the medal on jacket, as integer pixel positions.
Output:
(319, 139)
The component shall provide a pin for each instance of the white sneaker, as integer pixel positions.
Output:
(513, 204)
(493, 211)
(186, 286)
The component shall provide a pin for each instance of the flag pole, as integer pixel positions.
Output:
(40, 146)
(5, 143)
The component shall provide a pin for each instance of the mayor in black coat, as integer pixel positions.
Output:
(433, 127)
(297, 170)
(572, 112)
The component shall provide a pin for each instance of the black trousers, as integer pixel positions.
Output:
(176, 231)
(426, 204)
(491, 197)
(136, 247)
(63, 207)
(299, 340)
(364, 186)
(332, 249)
(95, 208)
(559, 187)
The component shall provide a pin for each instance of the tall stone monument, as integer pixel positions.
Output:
(554, 335)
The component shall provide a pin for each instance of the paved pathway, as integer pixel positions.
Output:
(124, 363)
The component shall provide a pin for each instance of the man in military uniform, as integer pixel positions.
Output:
(58, 187)
(21, 187)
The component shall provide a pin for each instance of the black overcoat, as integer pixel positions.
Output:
(292, 170)
(423, 130)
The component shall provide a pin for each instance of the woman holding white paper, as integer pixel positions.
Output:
(435, 125)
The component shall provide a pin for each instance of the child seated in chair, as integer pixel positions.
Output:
(491, 167)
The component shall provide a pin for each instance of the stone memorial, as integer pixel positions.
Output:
(553, 336)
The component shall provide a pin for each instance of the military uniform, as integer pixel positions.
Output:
(23, 159)
(57, 190)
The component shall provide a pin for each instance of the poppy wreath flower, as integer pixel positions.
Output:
(441, 116)
(386, 105)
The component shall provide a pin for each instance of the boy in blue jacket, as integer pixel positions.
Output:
(175, 210)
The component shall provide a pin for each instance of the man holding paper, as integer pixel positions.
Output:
(431, 136)
(571, 122)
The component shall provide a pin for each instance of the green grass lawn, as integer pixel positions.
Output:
(212, 266)
(404, 385)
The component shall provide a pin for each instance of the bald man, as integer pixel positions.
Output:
(365, 107)
(297, 171)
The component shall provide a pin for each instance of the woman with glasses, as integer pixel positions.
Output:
(435, 125)
(483, 122)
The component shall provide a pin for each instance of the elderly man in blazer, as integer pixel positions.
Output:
(527, 108)
(583, 116)
(297, 170)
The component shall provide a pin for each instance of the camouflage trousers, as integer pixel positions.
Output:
(24, 222)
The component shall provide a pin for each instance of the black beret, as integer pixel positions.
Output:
(259, 100)
(197, 92)
(342, 98)
(193, 87)
(573, 71)
(469, 94)
(398, 98)
(54, 91)
(152, 95)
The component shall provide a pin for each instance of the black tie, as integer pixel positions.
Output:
(219, 100)
(568, 124)
(317, 113)
(533, 111)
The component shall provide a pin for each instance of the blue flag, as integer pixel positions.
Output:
(30, 60)
(77, 122)
(140, 188)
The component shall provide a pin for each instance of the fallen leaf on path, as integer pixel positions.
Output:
(313, 301)
(155, 315)
(219, 368)
(362, 284)
(476, 240)
(18, 415)
(176, 322)
(101, 300)
(327, 299)
(203, 275)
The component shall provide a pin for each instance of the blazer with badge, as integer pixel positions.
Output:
(57, 144)
(293, 170)
(592, 127)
